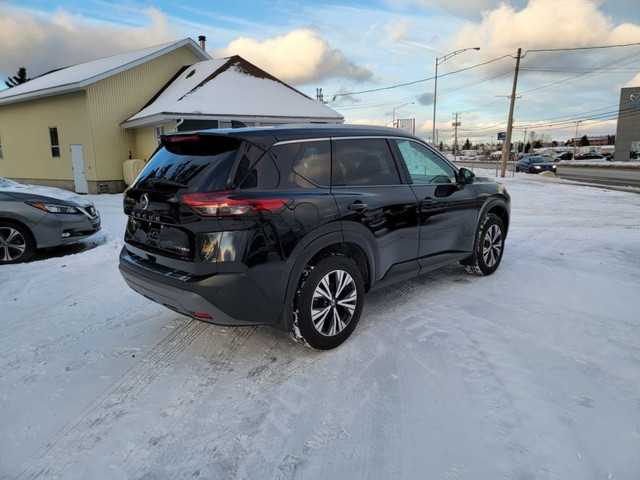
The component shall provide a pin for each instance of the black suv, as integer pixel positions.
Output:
(290, 226)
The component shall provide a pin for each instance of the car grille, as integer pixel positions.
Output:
(89, 210)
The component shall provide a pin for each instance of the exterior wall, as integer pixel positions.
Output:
(90, 118)
(145, 139)
(628, 131)
(113, 100)
(26, 146)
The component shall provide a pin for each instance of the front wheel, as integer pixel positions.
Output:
(489, 246)
(329, 302)
(16, 243)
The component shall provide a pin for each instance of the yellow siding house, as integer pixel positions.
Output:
(64, 128)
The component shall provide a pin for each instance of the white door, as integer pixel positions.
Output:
(77, 162)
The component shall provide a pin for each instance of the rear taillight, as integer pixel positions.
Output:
(222, 204)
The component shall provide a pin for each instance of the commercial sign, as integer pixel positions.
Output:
(502, 135)
(634, 99)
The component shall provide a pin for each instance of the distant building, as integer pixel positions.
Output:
(598, 141)
(628, 132)
(76, 127)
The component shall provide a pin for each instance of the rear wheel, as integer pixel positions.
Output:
(16, 243)
(329, 302)
(489, 246)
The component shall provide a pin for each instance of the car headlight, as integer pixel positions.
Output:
(537, 167)
(54, 208)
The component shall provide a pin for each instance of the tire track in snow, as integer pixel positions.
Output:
(388, 301)
(83, 432)
(268, 362)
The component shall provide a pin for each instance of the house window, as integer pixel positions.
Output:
(55, 144)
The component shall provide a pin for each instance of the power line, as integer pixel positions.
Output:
(567, 49)
(416, 81)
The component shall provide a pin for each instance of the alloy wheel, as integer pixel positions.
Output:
(334, 302)
(492, 247)
(12, 244)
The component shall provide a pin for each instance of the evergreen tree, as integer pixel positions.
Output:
(466, 145)
(584, 141)
(16, 80)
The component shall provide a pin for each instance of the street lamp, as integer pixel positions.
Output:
(393, 124)
(440, 60)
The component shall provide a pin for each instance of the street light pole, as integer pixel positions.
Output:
(440, 60)
(393, 123)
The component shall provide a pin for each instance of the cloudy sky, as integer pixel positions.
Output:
(375, 60)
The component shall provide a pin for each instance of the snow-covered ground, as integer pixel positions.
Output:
(531, 373)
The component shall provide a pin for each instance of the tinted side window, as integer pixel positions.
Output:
(256, 170)
(424, 165)
(303, 164)
(312, 162)
(365, 161)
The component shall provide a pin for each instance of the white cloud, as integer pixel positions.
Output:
(471, 9)
(545, 24)
(300, 57)
(44, 43)
(399, 30)
(634, 82)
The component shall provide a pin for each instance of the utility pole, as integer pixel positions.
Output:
(575, 139)
(506, 149)
(524, 142)
(455, 124)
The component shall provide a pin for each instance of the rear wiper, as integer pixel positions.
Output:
(165, 183)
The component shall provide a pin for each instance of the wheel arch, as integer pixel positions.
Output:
(498, 207)
(334, 243)
(13, 221)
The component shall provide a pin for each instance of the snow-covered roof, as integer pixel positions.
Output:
(231, 88)
(78, 76)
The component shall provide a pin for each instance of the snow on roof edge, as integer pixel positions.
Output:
(51, 90)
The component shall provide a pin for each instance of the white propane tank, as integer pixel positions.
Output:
(131, 168)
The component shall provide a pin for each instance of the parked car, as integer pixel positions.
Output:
(33, 217)
(290, 226)
(588, 156)
(563, 156)
(535, 165)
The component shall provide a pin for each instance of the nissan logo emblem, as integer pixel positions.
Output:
(144, 201)
(634, 97)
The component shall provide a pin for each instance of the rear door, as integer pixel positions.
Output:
(448, 212)
(373, 202)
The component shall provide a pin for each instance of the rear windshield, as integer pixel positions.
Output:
(199, 163)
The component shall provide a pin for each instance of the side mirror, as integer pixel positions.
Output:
(465, 176)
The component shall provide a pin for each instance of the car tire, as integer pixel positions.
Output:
(329, 302)
(489, 246)
(16, 243)
(517, 169)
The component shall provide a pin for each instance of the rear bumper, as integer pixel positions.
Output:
(231, 299)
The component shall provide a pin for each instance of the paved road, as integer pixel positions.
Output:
(615, 175)
(603, 176)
